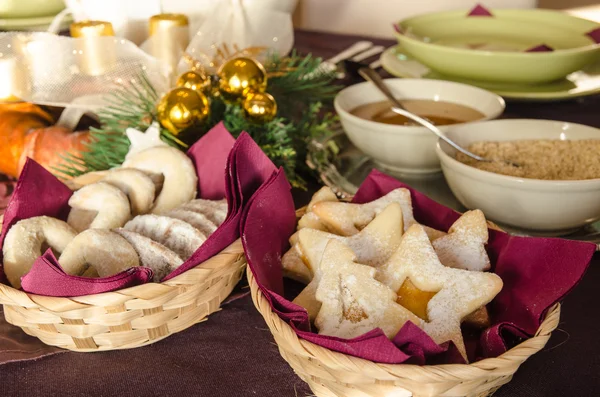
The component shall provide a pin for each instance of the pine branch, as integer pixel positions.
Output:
(130, 106)
(299, 86)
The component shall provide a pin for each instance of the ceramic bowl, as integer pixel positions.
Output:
(494, 48)
(30, 8)
(407, 149)
(542, 206)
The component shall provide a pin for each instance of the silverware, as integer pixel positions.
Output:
(372, 76)
(331, 63)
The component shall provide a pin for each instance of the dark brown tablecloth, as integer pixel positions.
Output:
(232, 354)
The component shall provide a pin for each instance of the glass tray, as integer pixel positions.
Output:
(343, 167)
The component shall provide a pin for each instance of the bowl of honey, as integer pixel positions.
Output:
(398, 144)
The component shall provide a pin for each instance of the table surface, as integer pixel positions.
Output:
(233, 352)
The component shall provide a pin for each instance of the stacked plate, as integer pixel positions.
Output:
(519, 54)
(29, 14)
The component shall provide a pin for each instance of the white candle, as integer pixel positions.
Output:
(13, 79)
(169, 37)
(95, 54)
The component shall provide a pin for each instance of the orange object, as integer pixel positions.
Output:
(45, 145)
(26, 131)
(414, 299)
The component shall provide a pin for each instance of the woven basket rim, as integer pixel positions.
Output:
(548, 325)
(234, 248)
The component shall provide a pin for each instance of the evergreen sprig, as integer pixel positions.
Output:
(298, 84)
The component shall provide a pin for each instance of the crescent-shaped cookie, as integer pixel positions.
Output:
(25, 240)
(153, 255)
(177, 235)
(98, 251)
(180, 180)
(214, 210)
(108, 202)
(137, 185)
(196, 219)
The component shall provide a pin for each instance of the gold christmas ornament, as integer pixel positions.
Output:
(240, 76)
(182, 108)
(260, 107)
(195, 81)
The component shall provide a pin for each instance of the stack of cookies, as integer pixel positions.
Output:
(373, 265)
(141, 214)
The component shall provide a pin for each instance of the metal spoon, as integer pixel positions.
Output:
(372, 76)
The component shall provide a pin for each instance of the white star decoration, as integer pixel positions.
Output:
(143, 140)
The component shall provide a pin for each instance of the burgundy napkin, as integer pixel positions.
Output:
(537, 272)
(479, 11)
(47, 277)
(594, 35)
(211, 156)
(251, 168)
(540, 48)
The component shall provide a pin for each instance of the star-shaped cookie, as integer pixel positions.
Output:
(458, 292)
(464, 245)
(348, 219)
(312, 220)
(372, 246)
(352, 301)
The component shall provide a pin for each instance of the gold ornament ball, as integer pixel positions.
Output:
(182, 108)
(260, 107)
(194, 81)
(240, 76)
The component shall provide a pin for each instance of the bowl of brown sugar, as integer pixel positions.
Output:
(555, 187)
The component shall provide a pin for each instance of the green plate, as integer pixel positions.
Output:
(493, 48)
(31, 24)
(581, 83)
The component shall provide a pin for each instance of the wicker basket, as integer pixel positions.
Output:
(333, 374)
(130, 317)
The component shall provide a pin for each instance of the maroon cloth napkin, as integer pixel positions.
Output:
(212, 156)
(479, 11)
(47, 277)
(540, 48)
(247, 169)
(209, 155)
(594, 35)
(537, 272)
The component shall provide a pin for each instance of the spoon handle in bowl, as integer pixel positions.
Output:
(374, 77)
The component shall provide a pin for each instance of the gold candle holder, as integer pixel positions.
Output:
(96, 54)
(169, 35)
